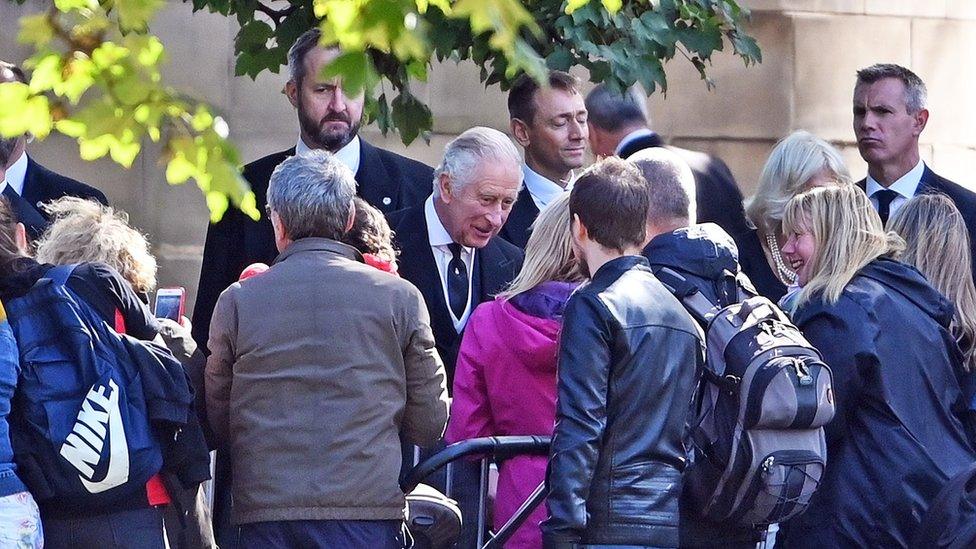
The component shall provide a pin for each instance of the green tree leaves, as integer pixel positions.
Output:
(96, 65)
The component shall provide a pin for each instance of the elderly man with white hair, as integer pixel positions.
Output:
(449, 246)
(320, 369)
(450, 249)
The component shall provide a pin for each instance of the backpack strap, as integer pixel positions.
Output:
(690, 296)
(60, 274)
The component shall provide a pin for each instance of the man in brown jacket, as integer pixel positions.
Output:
(318, 367)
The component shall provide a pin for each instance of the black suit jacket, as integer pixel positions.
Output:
(386, 180)
(717, 195)
(520, 219)
(42, 185)
(964, 199)
(495, 266)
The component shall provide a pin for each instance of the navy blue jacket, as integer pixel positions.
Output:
(704, 255)
(898, 435)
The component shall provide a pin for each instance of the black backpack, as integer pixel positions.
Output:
(758, 433)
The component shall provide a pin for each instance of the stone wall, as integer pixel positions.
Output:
(811, 49)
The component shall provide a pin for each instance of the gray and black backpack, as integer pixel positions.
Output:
(766, 395)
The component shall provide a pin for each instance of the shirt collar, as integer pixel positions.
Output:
(542, 189)
(636, 134)
(905, 185)
(348, 155)
(436, 233)
(16, 174)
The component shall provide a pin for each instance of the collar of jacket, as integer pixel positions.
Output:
(318, 244)
(616, 267)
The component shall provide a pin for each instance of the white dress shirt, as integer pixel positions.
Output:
(439, 240)
(905, 186)
(636, 134)
(543, 190)
(16, 174)
(348, 155)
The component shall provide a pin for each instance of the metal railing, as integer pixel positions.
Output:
(488, 449)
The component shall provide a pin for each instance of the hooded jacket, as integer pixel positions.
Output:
(706, 256)
(897, 437)
(703, 254)
(505, 384)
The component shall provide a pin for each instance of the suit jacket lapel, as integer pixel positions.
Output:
(35, 188)
(523, 214)
(417, 265)
(376, 185)
(491, 267)
(928, 183)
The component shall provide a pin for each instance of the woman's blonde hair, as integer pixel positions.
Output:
(549, 252)
(847, 234)
(84, 230)
(934, 230)
(794, 161)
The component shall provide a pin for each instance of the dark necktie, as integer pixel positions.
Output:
(32, 219)
(457, 281)
(885, 196)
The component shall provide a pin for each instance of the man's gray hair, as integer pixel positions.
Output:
(612, 111)
(916, 95)
(670, 184)
(463, 154)
(305, 43)
(312, 194)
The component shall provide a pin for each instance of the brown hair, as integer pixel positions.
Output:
(521, 98)
(611, 200)
(370, 233)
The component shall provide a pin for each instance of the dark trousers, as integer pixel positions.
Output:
(313, 534)
(137, 529)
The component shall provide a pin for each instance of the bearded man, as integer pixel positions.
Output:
(328, 120)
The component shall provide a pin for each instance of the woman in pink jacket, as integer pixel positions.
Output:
(505, 381)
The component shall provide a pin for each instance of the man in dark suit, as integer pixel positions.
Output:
(449, 246)
(550, 124)
(328, 120)
(889, 116)
(28, 185)
(449, 249)
(618, 125)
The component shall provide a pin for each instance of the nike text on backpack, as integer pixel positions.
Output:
(758, 436)
(80, 419)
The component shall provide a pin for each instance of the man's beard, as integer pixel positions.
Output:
(7, 146)
(322, 139)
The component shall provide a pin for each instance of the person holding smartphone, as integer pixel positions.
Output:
(85, 231)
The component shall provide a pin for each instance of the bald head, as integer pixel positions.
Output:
(671, 186)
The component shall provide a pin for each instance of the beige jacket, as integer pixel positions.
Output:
(318, 368)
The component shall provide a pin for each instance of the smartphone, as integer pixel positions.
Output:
(170, 303)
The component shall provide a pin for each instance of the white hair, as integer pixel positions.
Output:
(312, 194)
(466, 151)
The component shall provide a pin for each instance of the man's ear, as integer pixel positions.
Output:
(291, 90)
(921, 119)
(20, 237)
(445, 187)
(352, 217)
(521, 132)
(578, 229)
